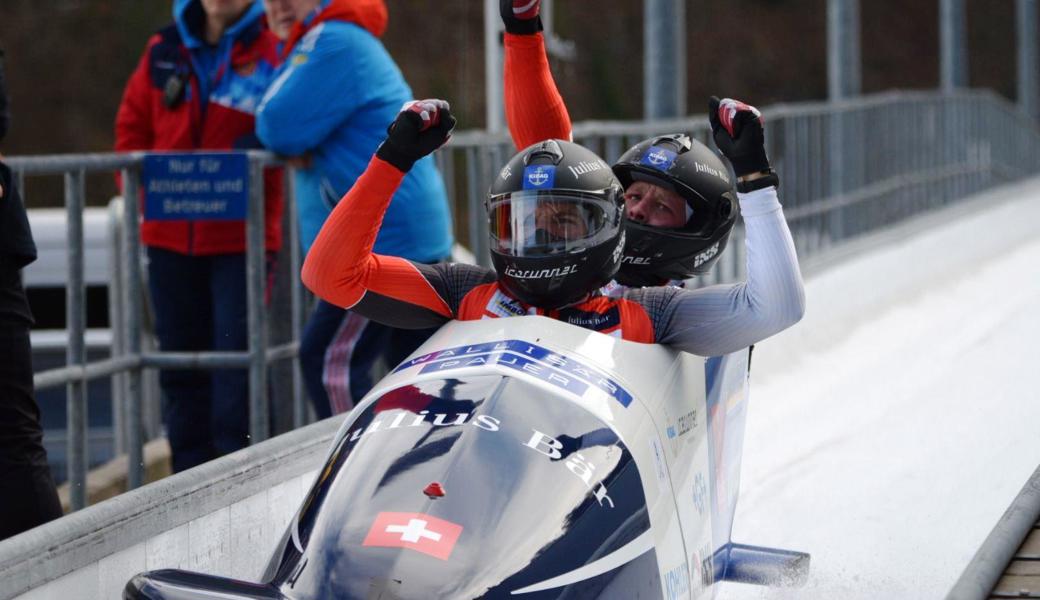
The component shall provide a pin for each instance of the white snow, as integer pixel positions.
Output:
(892, 427)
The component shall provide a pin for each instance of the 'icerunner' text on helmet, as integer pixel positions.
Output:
(555, 214)
(654, 255)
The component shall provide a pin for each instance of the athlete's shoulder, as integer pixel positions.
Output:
(652, 297)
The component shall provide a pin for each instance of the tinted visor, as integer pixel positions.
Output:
(533, 223)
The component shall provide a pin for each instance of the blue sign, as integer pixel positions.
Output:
(196, 187)
(561, 371)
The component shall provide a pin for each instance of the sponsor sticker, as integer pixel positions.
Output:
(707, 565)
(677, 582)
(539, 177)
(657, 452)
(678, 428)
(659, 158)
(584, 167)
(703, 168)
(706, 255)
(414, 531)
(561, 371)
(563, 448)
(542, 273)
(504, 306)
(700, 493)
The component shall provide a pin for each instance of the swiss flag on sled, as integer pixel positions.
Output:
(414, 531)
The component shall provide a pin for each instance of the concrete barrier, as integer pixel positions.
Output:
(221, 517)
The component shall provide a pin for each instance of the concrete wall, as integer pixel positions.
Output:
(234, 541)
(223, 517)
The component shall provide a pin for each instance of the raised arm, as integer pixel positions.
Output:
(534, 108)
(725, 318)
(341, 268)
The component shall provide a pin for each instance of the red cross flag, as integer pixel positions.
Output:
(414, 531)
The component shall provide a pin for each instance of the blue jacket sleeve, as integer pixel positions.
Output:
(320, 86)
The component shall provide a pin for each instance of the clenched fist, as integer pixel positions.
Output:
(421, 127)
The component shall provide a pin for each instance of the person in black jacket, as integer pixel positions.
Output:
(27, 494)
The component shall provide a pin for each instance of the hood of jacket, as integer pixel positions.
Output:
(189, 16)
(369, 14)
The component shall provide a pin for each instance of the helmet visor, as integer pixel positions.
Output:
(532, 223)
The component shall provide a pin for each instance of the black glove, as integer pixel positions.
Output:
(521, 16)
(737, 130)
(421, 127)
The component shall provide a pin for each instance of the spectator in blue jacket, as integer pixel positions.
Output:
(337, 89)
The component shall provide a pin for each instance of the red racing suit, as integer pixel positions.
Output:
(535, 111)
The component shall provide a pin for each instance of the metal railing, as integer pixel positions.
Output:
(846, 168)
(128, 358)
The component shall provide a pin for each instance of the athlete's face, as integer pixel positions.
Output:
(654, 205)
(561, 220)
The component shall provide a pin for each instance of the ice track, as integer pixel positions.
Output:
(889, 430)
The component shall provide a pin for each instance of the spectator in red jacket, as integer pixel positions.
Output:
(197, 86)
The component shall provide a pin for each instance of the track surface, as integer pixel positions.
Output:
(889, 430)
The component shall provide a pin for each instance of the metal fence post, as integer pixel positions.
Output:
(131, 258)
(1025, 20)
(836, 170)
(116, 311)
(953, 54)
(76, 316)
(843, 49)
(493, 67)
(664, 58)
(475, 208)
(296, 301)
(259, 419)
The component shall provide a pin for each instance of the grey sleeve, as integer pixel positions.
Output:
(725, 318)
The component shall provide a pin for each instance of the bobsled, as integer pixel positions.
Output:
(522, 458)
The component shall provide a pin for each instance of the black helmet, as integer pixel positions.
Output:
(555, 214)
(653, 255)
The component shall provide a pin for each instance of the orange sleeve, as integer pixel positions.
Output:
(534, 108)
(341, 268)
